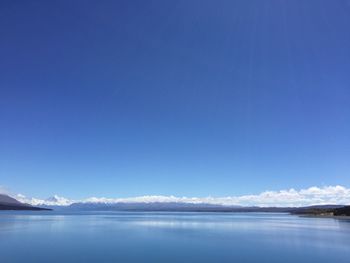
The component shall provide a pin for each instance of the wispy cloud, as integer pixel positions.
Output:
(3, 190)
(304, 197)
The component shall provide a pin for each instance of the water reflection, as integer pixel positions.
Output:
(171, 237)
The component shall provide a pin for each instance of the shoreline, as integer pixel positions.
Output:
(325, 216)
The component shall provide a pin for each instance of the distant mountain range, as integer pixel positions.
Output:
(150, 206)
(9, 203)
(181, 207)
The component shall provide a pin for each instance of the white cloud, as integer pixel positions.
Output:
(304, 197)
(52, 201)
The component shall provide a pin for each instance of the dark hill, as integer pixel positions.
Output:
(323, 211)
(344, 211)
(8, 200)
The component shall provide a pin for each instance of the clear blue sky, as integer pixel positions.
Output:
(195, 98)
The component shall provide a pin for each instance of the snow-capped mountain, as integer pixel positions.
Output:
(54, 200)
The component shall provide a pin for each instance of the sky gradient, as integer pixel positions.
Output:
(184, 98)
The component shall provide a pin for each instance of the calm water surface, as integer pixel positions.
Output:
(171, 237)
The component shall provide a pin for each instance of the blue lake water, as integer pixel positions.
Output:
(171, 237)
